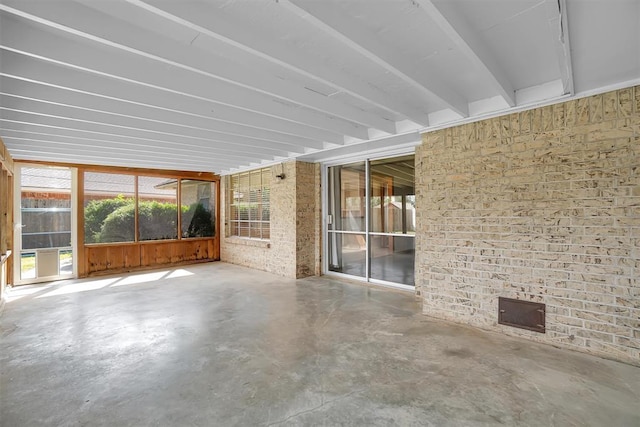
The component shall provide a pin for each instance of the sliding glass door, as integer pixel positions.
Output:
(347, 221)
(371, 220)
(393, 220)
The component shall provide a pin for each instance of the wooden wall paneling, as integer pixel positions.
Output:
(97, 258)
(131, 256)
(218, 230)
(178, 252)
(80, 256)
(4, 206)
(147, 254)
(128, 256)
(163, 254)
(6, 159)
(202, 250)
(6, 218)
(188, 252)
(4, 211)
(115, 258)
(112, 257)
(156, 253)
(10, 229)
(193, 251)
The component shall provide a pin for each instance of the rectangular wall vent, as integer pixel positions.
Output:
(521, 314)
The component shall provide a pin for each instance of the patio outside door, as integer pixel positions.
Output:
(44, 224)
(371, 220)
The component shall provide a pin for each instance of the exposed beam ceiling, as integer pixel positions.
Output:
(224, 85)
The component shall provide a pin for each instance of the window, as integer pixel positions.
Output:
(248, 204)
(114, 203)
(198, 207)
(46, 207)
(109, 208)
(157, 208)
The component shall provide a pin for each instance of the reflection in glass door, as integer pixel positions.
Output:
(371, 220)
(45, 224)
(347, 223)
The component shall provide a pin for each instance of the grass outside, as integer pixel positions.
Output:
(28, 261)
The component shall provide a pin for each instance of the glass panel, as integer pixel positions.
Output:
(66, 261)
(45, 207)
(46, 227)
(266, 231)
(243, 230)
(347, 197)
(157, 208)
(256, 230)
(249, 212)
(393, 196)
(347, 253)
(109, 207)
(28, 265)
(197, 208)
(392, 258)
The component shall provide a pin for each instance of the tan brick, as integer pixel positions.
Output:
(595, 335)
(628, 342)
(610, 105)
(294, 246)
(547, 119)
(536, 121)
(493, 129)
(582, 111)
(596, 109)
(525, 122)
(551, 213)
(625, 102)
(559, 116)
(570, 114)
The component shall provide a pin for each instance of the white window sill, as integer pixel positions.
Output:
(246, 241)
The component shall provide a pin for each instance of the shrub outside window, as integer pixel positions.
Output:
(110, 208)
(157, 208)
(248, 204)
(198, 207)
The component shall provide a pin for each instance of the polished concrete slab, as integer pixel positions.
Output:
(221, 345)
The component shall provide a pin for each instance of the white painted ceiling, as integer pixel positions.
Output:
(224, 85)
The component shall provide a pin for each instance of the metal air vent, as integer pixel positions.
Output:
(521, 314)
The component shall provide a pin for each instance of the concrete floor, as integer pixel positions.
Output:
(221, 345)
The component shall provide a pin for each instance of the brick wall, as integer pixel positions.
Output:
(308, 217)
(295, 224)
(542, 205)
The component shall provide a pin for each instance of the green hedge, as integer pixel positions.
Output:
(113, 220)
(97, 211)
(118, 226)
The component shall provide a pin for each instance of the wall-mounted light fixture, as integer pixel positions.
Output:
(281, 174)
